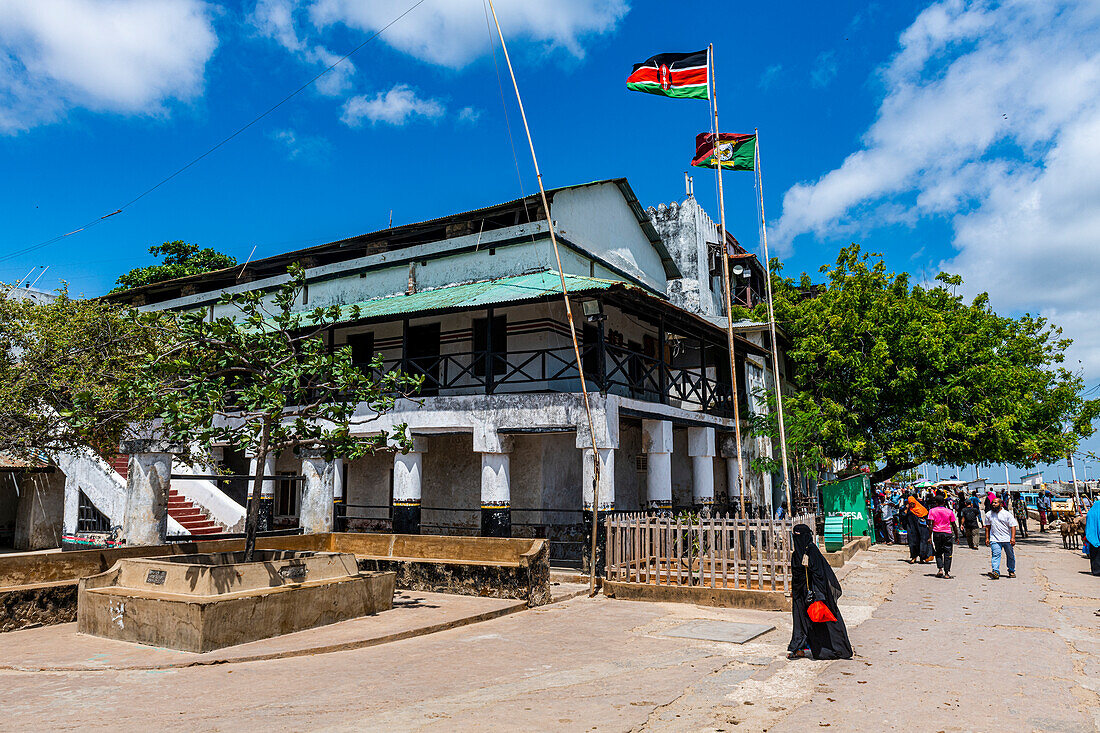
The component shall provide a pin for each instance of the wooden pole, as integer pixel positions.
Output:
(726, 289)
(568, 313)
(771, 324)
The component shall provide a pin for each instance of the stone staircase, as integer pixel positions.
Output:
(191, 517)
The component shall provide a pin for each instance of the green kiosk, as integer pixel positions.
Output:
(844, 501)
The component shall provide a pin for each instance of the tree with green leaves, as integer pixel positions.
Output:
(180, 260)
(891, 374)
(263, 378)
(63, 366)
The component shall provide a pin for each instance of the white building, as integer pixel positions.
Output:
(472, 302)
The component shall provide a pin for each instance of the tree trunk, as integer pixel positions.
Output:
(890, 470)
(253, 522)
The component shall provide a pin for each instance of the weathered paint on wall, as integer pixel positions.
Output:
(40, 514)
(599, 219)
(686, 229)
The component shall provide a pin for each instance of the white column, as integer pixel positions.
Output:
(496, 490)
(657, 445)
(766, 478)
(406, 477)
(496, 487)
(407, 487)
(72, 505)
(148, 477)
(607, 479)
(318, 478)
(338, 480)
(729, 451)
(701, 449)
(267, 488)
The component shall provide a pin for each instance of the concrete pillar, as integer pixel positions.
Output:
(657, 445)
(702, 452)
(72, 506)
(318, 479)
(338, 493)
(149, 474)
(496, 488)
(734, 481)
(267, 491)
(607, 479)
(407, 484)
(606, 457)
(496, 495)
(767, 492)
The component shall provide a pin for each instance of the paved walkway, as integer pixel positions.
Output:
(934, 655)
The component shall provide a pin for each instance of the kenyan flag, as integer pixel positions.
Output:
(736, 152)
(684, 75)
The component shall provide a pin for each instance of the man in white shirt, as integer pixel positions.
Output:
(1000, 535)
(889, 512)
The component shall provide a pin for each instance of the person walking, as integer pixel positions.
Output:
(1092, 537)
(971, 522)
(920, 547)
(943, 535)
(1042, 504)
(889, 511)
(1000, 535)
(813, 584)
(1019, 509)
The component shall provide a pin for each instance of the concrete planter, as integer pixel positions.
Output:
(198, 603)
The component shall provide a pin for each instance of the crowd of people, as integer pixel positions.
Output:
(931, 520)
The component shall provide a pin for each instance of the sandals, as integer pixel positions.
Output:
(800, 654)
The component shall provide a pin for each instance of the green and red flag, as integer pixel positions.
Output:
(736, 152)
(681, 75)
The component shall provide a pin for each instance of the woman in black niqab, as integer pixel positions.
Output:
(813, 580)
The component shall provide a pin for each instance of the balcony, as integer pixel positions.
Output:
(609, 369)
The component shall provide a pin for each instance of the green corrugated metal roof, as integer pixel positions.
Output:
(479, 294)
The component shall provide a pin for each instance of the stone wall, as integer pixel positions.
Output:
(40, 589)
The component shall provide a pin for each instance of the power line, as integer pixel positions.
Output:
(269, 110)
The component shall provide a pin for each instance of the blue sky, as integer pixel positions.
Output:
(943, 135)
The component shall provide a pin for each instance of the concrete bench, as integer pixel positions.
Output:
(478, 566)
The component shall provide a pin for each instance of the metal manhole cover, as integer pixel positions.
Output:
(728, 631)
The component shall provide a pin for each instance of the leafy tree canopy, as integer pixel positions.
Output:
(180, 260)
(62, 366)
(894, 375)
(265, 379)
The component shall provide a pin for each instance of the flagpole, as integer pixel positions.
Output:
(726, 287)
(771, 326)
(568, 315)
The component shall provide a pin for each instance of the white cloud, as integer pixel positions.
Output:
(453, 33)
(395, 107)
(309, 148)
(124, 56)
(279, 20)
(825, 68)
(469, 115)
(991, 117)
(770, 75)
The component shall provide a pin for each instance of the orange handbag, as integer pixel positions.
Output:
(819, 612)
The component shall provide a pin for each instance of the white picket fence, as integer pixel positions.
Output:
(721, 551)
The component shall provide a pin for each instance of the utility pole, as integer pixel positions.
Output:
(1073, 473)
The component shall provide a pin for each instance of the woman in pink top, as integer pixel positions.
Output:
(943, 535)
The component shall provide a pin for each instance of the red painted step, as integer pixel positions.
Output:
(190, 516)
(121, 464)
